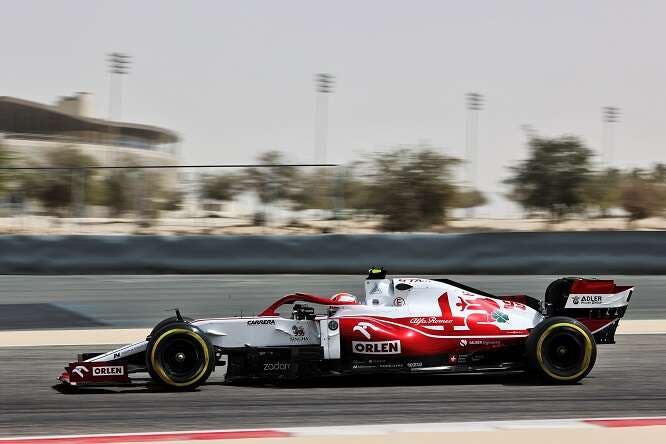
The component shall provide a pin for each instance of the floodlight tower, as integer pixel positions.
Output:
(610, 115)
(119, 65)
(474, 103)
(324, 84)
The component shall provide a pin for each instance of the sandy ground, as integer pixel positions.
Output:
(239, 226)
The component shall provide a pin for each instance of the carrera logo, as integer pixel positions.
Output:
(377, 347)
(261, 322)
(116, 370)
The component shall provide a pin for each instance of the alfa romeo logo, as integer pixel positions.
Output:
(500, 317)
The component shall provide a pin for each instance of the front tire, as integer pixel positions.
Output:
(180, 356)
(561, 350)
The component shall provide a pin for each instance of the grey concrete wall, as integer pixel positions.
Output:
(480, 253)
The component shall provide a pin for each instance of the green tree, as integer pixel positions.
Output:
(330, 188)
(223, 187)
(66, 185)
(602, 190)
(142, 192)
(118, 194)
(410, 188)
(466, 198)
(5, 175)
(643, 194)
(273, 181)
(554, 176)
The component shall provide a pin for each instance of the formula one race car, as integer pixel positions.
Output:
(408, 325)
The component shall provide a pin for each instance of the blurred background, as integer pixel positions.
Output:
(306, 117)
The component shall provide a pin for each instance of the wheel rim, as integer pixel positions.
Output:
(180, 357)
(564, 351)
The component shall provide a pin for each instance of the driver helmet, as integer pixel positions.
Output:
(344, 297)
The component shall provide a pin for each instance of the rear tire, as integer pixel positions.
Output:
(561, 350)
(180, 356)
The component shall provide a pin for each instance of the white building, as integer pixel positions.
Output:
(28, 130)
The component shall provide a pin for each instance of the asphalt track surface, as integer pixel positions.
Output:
(30, 302)
(629, 378)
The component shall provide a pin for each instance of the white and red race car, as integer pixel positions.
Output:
(408, 325)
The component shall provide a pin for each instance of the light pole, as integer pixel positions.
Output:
(323, 87)
(474, 105)
(119, 65)
(610, 116)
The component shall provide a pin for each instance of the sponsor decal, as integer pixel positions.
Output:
(299, 338)
(298, 334)
(432, 320)
(394, 365)
(80, 369)
(362, 327)
(500, 316)
(453, 359)
(414, 364)
(399, 302)
(116, 355)
(116, 370)
(466, 342)
(592, 299)
(376, 347)
(333, 325)
(276, 366)
(261, 322)
(411, 280)
(375, 288)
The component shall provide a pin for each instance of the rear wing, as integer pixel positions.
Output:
(598, 303)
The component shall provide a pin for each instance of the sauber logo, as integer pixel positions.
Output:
(377, 347)
(362, 327)
(116, 370)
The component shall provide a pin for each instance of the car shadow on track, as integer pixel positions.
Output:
(365, 381)
(396, 380)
